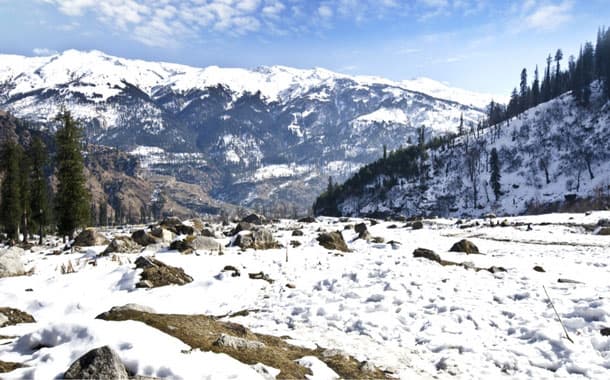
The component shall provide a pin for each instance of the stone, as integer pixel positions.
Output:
(465, 246)
(254, 219)
(605, 331)
(494, 269)
(10, 262)
(241, 226)
(121, 244)
(144, 238)
(261, 276)
(297, 233)
(10, 317)
(603, 231)
(417, 225)
(360, 228)
(231, 268)
(197, 224)
(604, 222)
(295, 243)
(307, 219)
(99, 363)
(90, 237)
(164, 234)
(333, 240)
(427, 254)
(156, 273)
(207, 232)
(238, 343)
(260, 238)
(538, 268)
(195, 243)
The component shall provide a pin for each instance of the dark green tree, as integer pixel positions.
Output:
(25, 195)
(10, 207)
(494, 179)
(536, 89)
(39, 200)
(72, 200)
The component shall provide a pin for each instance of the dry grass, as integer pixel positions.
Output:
(201, 331)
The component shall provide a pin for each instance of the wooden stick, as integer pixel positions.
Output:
(557, 314)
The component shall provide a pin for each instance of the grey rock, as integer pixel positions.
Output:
(237, 343)
(10, 262)
(121, 244)
(333, 240)
(90, 237)
(427, 254)
(99, 363)
(465, 246)
(144, 238)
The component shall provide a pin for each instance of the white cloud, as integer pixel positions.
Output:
(549, 16)
(325, 11)
(43, 51)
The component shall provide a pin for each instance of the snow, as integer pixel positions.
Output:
(386, 115)
(410, 316)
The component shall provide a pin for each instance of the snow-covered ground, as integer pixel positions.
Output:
(408, 315)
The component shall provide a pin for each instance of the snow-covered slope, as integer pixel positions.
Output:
(236, 120)
(552, 154)
(443, 91)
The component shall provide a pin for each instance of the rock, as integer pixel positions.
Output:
(377, 239)
(395, 244)
(254, 219)
(166, 236)
(243, 240)
(208, 233)
(99, 363)
(392, 226)
(538, 268)
(90, 237)
(241, 226)
(603, 222)
(170, 222)
(195, 243)
(465, 246)
(261, 238)
(143, 238)
(176, 226)
(261, 276)
(10, 317)
(307, 219)
(427, 254)
(295, 243)
(197, 224)
(121, 244)
(333, 240)
(568, 281)
(603, 231)
(494, 269)
(360, 228)
(156, 273)
(605, 331)
(237, 343)
(417, 225)
(297, 233)
(10, 262)
(231, 268)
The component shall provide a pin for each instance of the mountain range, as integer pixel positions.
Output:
(263, 138)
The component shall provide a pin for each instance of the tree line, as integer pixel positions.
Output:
(27, 202)
(592, 64)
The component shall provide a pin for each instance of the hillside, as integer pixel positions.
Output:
(260, 137)
(551, 157)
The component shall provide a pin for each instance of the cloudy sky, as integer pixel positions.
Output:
(479, 45)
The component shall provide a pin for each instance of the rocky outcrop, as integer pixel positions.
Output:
(10, 262)
(144, 238)
(333, 240)
(254, 219)
(99, 363)
(427, 254)
(10, 317)
(156, 273)
(90, 237)
(260, 238)
(121, 244)
(195, 243)
(465, 246)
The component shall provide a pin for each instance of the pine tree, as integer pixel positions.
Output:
(523, 92)
(587, 72)
(494, 179)
(25, 195)
(546, 82)
(10, 206)
(558, 85)
(461, 126)
(536, 89)
(72, 200)
(39, 203)
(385, 152)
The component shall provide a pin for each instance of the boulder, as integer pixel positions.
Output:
(144, 238)
(427, 254)
(10, 317)
(176, 226)
(260, 238)
(90, 237)
(603, 222)
(254, 219)
(360, 228)
(603, 231)
(121, 244)
(297, 233)
(333, 240)
(241, 226)
(156, 273)
(237, 343)
(207, 232)
(538, 268)
(162, 233)
(605, 331)
(10, 262)
(465, 246)
(195, 243)
(197, 224)
(99, 363)
(417, 225)
(307, 219)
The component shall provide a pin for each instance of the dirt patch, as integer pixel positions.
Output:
(202, 332)
(9, 366)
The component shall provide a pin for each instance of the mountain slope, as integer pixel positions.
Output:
(551, 156)
(233, 123)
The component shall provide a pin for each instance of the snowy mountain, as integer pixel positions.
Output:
(553, 156)
(189, 122)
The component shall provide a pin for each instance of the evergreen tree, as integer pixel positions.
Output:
(536, 89)
(558, 85)
(587, 72)
(494, 179)
(102, 213)
(25, 196)
(461, 126)
(385, 151)
(10, 207)
(39, 203)
(72, 200)
(523, 92)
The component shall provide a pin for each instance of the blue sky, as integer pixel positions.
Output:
(474, 44)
